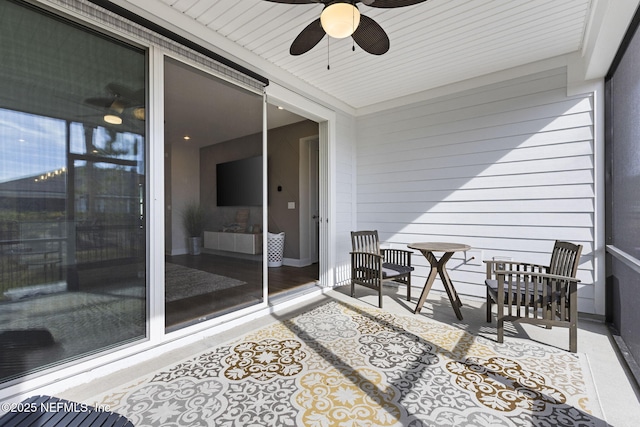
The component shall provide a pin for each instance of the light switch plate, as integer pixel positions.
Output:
(291, 205)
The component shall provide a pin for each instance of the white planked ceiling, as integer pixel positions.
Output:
(433, 44)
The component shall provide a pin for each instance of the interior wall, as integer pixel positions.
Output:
(506, 168)
(282, 171)
(185, 188)
(284, 182)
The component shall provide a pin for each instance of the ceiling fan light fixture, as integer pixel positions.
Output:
(139, 113)
(117, 106)
(112, 119)
(340, 20)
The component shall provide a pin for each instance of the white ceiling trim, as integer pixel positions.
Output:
(606, 30)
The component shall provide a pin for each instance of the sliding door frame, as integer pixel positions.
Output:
(326, 119)
(158, 197)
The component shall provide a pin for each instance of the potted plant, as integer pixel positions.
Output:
(193, 220)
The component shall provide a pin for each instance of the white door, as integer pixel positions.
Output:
(314, 205)
(309, 200)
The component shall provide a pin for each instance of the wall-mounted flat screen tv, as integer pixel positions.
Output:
(239, 183)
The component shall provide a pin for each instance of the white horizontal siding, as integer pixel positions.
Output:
(506, 168)
(516, 206)
(345, 192)
(545, 219)
(539, 193)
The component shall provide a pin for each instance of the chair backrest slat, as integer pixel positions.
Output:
(565, 259)
(365, 241)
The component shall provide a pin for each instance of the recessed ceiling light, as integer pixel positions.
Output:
(186, 137)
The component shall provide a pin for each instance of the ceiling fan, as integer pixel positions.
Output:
(340, 19)
(120, 100)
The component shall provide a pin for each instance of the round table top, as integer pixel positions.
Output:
(439, 246)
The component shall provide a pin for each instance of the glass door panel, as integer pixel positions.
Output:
(72, 143)
(213, 196)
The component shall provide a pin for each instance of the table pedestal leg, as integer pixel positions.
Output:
(427, 285)
(438, 268)
(451, 292)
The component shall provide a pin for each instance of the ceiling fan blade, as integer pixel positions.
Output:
(387, 4)
(125, 93)
(371, 37)
(308, 38)
(115, 103)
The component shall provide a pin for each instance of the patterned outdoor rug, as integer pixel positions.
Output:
(338, 365)
(183, 282)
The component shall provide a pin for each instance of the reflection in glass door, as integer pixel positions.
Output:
(213, 196)
(72, 144)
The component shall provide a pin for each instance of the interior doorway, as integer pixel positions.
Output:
(293, 206)
(309, 192)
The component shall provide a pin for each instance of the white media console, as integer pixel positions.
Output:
(246, 243)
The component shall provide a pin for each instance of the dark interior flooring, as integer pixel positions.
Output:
(194, 309)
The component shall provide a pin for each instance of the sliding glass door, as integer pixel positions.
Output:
(213, 196)
(72, 179)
